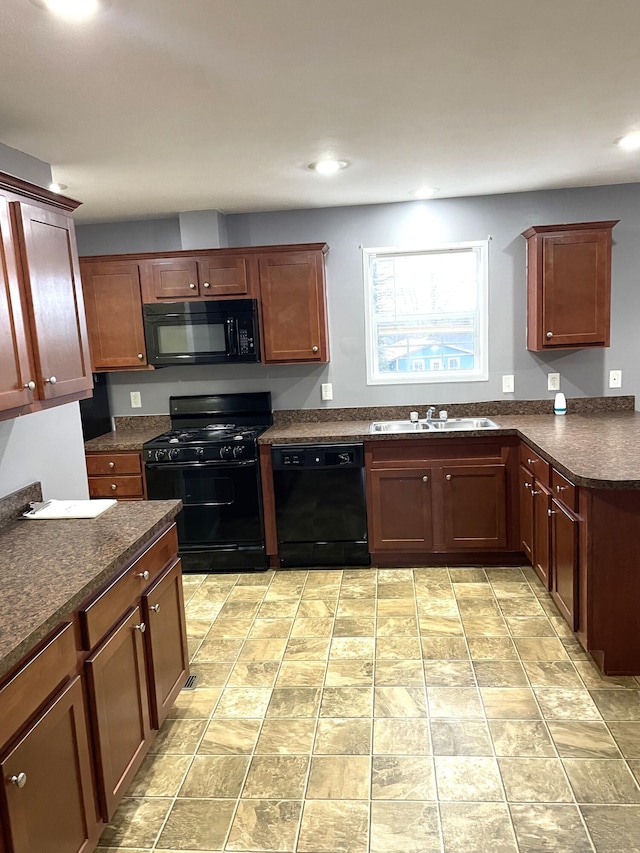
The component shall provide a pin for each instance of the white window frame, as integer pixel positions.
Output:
(479, 373)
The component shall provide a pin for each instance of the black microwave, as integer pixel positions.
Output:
(223, 332)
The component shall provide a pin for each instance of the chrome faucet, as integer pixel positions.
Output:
(430, 412)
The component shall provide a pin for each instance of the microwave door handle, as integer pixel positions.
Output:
(231, 335)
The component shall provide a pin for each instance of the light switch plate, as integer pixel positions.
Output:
(326, 390)
(553, 381)
(507, 384)
(615, 379)
(136, 399)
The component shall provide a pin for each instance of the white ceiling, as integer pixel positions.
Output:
(158, 106)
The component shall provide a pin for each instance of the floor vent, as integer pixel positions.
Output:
(190, 683)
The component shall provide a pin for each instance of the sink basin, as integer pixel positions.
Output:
(450, 425)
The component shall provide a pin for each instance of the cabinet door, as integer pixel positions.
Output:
(576, 289)
(293, 307)
(541, 558)
(223, 275)
(475, 507)
(174, 278)
(54, 810)
(113, 303)
(526, 512)
(117, 678)
(14, 354)
(564, 562)
(399, 509)
(166, 638)
(52, 279)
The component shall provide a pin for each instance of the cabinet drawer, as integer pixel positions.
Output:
(564, 490)
(36, 680)
(113, 463)
(115, 487)
(538, 466)
(101, 614)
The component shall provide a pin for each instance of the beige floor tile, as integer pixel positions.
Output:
(534, 780)
(286, 737)
(243, 702)
(255, 650)
(354, 627)
(215, 776)
(402, 777)
(159, 776)
(397, 626)
(492, 648)
(349, 673)
(345, 736)
(477, 828)
(444, 648)
(540, 648)
(627, 736)
(401, 736)
(566, 704)
(239, 609)
(530, 626)
(399, 702)
(396, 607)
(294, 702)
(479, 607)
(614, 829)
(307, 627)
(334, 827)
(275, 777)
(346, 702)
(136, 822)
(399, 673)
(595, 680)
(550, 673)
(454, 702)
(195, 704)
(179, 737)
(529, 606)
(316, 608)
(339, 777)
(468, 778)
(472, 590)
(304, 673)
(601, 781)
(398, 648)
(460, 737)
(634, 766)
(400, 589)
(246, 592)
(219, 650)
(356, 607)
(583, 739)
(500, 674)
(448, 673)
(253, 674)
(436, 606)
(197, 629)
(282, 609)
(230, 737)
(440, 626)
(484, 626)
(197, 825)
(270, 628)
(617, 704)
(521, 738)
(410, 827)
(230, 629)
(505, 589)
(264, 825)
(352, 648)
(509, 703)
(307, 648)
(468, 575)
(549, 827)
(211, 674)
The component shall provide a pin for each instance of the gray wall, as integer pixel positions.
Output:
(144, 235)
(44, 446)
(346, 229)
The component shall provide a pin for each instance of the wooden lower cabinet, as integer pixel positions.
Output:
(526, 512)
(541, 555)
(400, 519)
(116, 475)
(48, 783)
(564, 559)
(475, 507)
(117, 682)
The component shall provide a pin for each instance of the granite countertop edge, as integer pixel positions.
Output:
(63, 610)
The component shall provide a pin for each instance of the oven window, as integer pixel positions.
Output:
(192, 338)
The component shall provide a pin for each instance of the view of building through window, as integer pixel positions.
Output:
(427, 314)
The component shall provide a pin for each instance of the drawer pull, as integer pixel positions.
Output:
(19, 781)
(561, 488)
(112, 464)
(155, 608)
(113, 487)
(551, 512)
(531, 461)
(144, 576)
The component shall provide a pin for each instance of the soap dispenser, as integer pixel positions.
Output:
(560, 404)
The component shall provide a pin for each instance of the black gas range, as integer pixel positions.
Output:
(209, 460)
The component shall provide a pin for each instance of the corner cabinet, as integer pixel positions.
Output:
(44, 352)
(568, 285)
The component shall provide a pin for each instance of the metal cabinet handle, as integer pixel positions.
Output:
(551, 512)
(531, 461)
(206, 284)
(425, 479)
(448, 477)
(112, 464)
(528, 485)
(314, 349)
(561, 488)
(155, 608)
(141, 627)
(51, 380)
(536, 492)
(192, 286)
(144, 575)
(30, 386)
(141, 356)
(19, 781)
(113, 487)
(549, 334)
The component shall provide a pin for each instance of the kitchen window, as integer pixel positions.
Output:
(427, 314)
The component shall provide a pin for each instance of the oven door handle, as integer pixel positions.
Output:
(244, 463)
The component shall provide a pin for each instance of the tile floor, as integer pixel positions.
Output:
(389, 711)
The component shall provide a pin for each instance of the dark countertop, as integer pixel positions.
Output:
(49, 567)
(600, 450)
(122, 440)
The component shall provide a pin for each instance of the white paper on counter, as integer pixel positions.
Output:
(71, 509)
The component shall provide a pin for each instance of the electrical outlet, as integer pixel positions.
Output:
(136, 400)
(615, 379)
(507, 384)
(326, 391)
(553, 381)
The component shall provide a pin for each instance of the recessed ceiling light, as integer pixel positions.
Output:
(630, 142)
(73, 9)
(57, 188)
(425, 192)
(328, 167)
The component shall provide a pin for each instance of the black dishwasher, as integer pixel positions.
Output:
(321, 517)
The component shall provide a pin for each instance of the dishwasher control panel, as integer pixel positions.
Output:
(318, 456)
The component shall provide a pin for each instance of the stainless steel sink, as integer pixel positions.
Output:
(450, 425)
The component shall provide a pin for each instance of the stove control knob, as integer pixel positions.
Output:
(174, 453)
(160, 455)
(238, 450)
(226, 452)
(200, 452)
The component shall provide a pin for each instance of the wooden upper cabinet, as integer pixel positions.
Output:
(223, 275)
(568, 285)
(113, 302)
(15, 371)
(51, 276)
(217, 275)
(294, 316)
